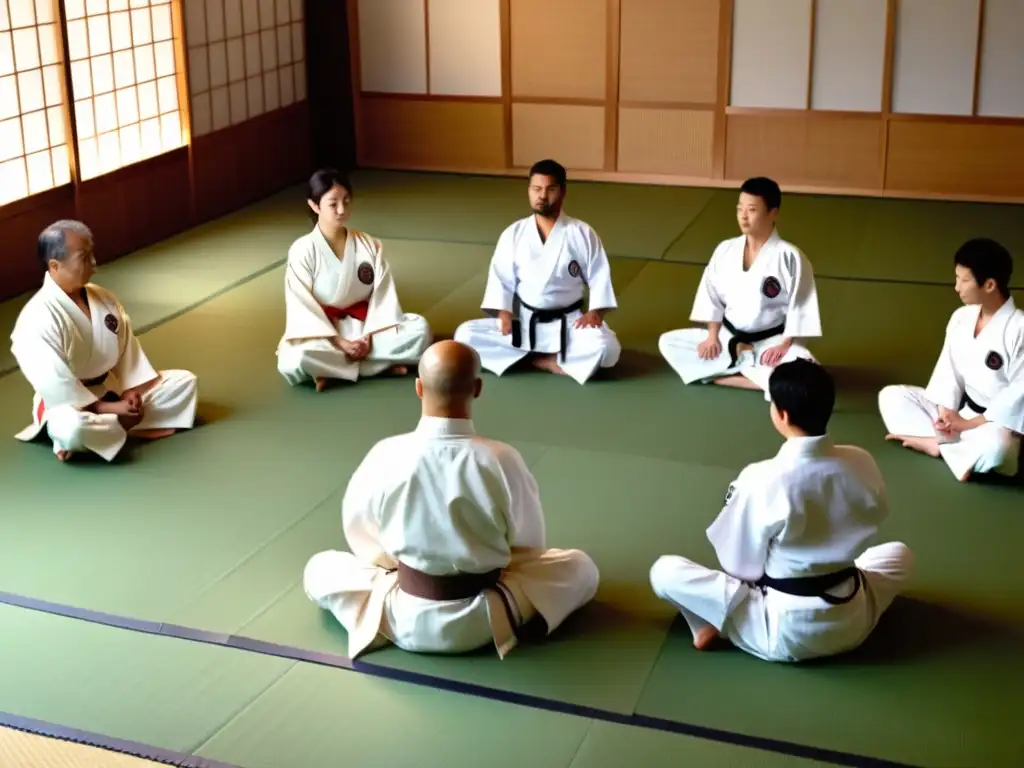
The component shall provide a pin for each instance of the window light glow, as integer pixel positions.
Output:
(33, 132)
(125, 81)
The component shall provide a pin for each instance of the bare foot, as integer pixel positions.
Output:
(704, 638)
(153, 434)
(966, 476)
(737, 382)
(399, 370)
(928, 445)
(548, 363)
(321, 383)
(64, 456)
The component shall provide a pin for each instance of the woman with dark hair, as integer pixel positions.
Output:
(343, 317)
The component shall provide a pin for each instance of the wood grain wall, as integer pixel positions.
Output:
(868, 97)
(227, 163)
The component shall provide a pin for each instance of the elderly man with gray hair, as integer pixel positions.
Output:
(74, 344)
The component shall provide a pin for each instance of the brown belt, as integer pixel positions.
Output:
(459, 586)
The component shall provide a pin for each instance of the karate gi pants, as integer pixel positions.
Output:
(341, 583)
(587, 349)
(773, 625)
(679, 348)
(989, 448)
(299, 362)
(169, 404)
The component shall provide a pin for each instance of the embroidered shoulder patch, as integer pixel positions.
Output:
(574, 268)
(111, 322)
(994, 361)
(730, 493)
(771, 287)
(365, 273)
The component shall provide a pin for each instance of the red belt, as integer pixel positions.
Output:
(357, 310)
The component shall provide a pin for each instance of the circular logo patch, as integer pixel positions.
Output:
(994, 361)
(574, 268)
(111, 322)
(730, 493)
(771, 287)
(365, 274)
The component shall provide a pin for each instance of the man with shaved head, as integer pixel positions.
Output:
(74, 343)
(447, 535)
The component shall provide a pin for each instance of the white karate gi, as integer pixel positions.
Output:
(319, 286)
(72, 361)
(548, 275)
(777, 290)
(810, 510)
(445, 501)
(988, 369)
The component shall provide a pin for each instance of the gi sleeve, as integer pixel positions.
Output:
(360, 510)
(525, 517)
(1007, 408)
(744, 529)
(40, 347)
(708, 303)
(599, 273)
(803, 318)
(384, 308)
(304, 317)
(946, 386)
(501, 276)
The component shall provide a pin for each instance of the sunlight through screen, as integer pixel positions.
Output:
(33, 132)
(245, 58)
(125, 81)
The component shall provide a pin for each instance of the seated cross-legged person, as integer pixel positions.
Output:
(798, 578)
(541, 269)
(971, 414)
(74, 343)
(758, 298)
(447, 534)
(343, 319)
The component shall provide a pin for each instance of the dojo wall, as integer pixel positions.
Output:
(246, 116)
(918, 98)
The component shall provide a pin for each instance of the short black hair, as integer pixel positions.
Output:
(52, 243)
(320, 183)
(987, 260)
(806, 392)
(550, 168)
(765, 188)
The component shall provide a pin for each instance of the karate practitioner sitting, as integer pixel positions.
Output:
(447, 535)
(761, 289)
(343, 319)
(798, 580)
(971, 413)
(541, 268)
(74, 343)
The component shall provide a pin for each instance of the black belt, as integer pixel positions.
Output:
(814, 586)
(94, 382)
(747, 337)
(541, 316)
(965, 400)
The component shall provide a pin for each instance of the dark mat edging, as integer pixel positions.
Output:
(109, 743)
(338, 661)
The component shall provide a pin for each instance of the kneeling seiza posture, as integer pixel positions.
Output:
(972, 411)
(74, 343)
(798, 580)
(343, 319)
(761, 288)
(540, 270)
(447, 535)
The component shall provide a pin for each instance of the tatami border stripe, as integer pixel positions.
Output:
(452, 686)
(123, 746)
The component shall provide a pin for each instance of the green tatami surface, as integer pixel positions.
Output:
(211, 529)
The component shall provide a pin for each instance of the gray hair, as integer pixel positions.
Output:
(52, 244)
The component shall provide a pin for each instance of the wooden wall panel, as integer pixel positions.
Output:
(976, 159)
(574, 135)
(415, 133)
(663, 39)
(465, 47)
(393, 46)
(824, 150)
(559, 48)
(21, 223)
(666, 141)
